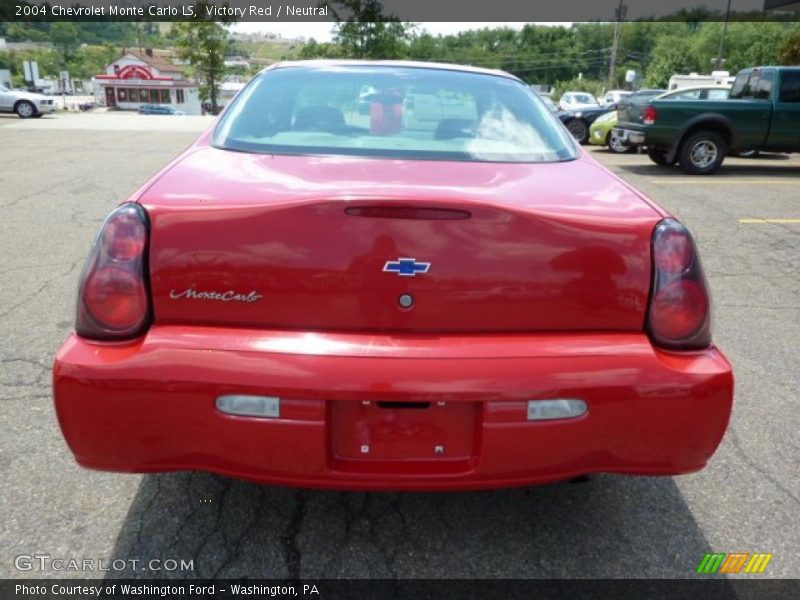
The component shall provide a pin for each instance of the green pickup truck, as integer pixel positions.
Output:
(762, 113)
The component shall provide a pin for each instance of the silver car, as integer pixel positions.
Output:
(25, 104)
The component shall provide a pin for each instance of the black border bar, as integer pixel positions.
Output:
(707, 588)
(404, 10)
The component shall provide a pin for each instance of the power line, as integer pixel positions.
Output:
(527, 60)
(612, 67)
(564, 54)
(595, 63)
(552, 68)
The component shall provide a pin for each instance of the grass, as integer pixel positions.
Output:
(271, 50)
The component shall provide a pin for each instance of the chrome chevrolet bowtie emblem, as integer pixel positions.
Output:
(406, 267)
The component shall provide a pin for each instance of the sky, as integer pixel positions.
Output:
(322, 31)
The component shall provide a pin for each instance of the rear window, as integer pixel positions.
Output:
(753, 84)
(393, 112)
(790, 86)
(739, 85)
(763, 89)
(646, 95)
(690, 95)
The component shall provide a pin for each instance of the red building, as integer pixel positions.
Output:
(138, 78)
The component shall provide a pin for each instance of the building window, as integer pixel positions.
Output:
(179, 99)
(122, 94)
(165, 97)
(144, 96)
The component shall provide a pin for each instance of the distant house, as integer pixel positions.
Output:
(237, 61)
(229, 89)
(148, 77)
(720, 78)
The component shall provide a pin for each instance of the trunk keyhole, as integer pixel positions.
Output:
(406, 301)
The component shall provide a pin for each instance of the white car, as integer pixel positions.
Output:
(577, 101)
(25, 104)
(613, 96)
(703, 92)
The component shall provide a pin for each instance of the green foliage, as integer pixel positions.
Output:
(64, 36)
(204, 44)
(672, 55)
(27, 32)
(790, 51)
(363, 31)
(371, 40)
(313, 49)
(553, 55)
(93, 33)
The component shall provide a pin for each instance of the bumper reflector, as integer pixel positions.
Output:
(250, 406)
(559, 408)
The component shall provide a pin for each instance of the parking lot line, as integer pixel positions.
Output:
(768, 221)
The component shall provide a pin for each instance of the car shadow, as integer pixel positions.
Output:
(750, 167)
(610, 526)
(4, 117)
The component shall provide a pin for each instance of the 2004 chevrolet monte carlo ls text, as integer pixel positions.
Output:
(388, 275)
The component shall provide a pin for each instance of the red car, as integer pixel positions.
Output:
(440, 292)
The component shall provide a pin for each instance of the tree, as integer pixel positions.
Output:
(671, 55)
(314, 49)
(204, 44)
(64, 36)
(363, 31)
(790, 51)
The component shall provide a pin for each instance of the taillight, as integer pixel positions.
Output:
(113, 300)
(650, 115)
(679, 316)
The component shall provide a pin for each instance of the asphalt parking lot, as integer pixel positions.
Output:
(60, 176)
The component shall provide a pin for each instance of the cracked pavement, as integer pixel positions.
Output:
(61, 175)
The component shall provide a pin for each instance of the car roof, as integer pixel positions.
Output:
(771, 67)
(698, 87)
(410, 64)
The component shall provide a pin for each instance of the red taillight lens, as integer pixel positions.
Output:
(673, 251)
(115, 297)
(650, 115)
(679, 314)
(124, 236)
(679, 309)
(113, 301)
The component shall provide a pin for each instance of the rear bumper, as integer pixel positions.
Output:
(150, 406)
(630, 137)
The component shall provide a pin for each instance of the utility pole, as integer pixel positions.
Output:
(620, 12)
(720, 59)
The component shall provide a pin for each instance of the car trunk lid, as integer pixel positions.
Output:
(334, 243)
